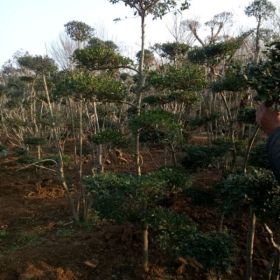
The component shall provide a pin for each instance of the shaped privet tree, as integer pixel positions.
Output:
(143, 8)
(255, 190)
(215, 57)
(101, 58)
(263, 77)
(85, 86)
(38, 69)
(138, 200)
(79, 32)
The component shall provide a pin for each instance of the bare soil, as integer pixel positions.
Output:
(39, 241)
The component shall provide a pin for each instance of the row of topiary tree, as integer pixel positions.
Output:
(108, 101)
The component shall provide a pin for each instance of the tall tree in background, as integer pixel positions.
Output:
(261, 10)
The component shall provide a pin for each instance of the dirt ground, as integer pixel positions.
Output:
(39, 241)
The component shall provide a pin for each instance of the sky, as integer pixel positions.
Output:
(34, 25)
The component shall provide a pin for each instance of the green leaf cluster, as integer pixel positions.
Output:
(172, 50)
(38, 64)
(257, 188)
(3, 151)
(156, 8)
(259, 157)
(129, 198)
(215, 251)
(233, 80)
(187, 78)
(160, 123)
(78, 30)
(102, 88)
(247, 115)
(264, 77)
(100, 57)
(201, 156)
(34, 141)
(203, 120)
(213, 54)
(109, 136)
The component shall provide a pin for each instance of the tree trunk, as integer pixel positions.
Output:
(139, 91)
(146, 248)
(250, 244)
(60, 158)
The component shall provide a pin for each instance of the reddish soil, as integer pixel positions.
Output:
(38, 240)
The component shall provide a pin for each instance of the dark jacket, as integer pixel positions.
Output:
(273, 148)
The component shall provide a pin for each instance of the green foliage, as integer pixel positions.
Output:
(100, 56)
(187, 78)
(26, 159)
(247, 115)
(157, 119)
(201, 156)
(111, 195)
(187, 97)
(203, 120)
(3, 233)
(233, 80)
(34, 141)
(38, 64)
(108, 136)
(149, 57)
(130, 198)
(215, 250)
(78, 30)
(172, 50)
(54, 159)
(168, 225)
(156, 8)
(174, 177)
(3, 151)
(159, 123)
(258, 157)
(96, 42)
(264, 77)
(260, 9)
(20, 151)
(214, 53)
(155, 100)
(256, 188)
(76, 83)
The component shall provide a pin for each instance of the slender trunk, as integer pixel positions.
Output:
(257, 52)
(174, 158)
(250, 244)
(81, 136)
(249, 148)
(139, 91)
(73, 130)
(100, 147)
(276, 267)
(146, 248)
(60, 158)
(232, 136)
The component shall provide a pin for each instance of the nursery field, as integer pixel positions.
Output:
(153, 166)
(38, 239)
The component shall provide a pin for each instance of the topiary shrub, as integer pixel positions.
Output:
(258, 157)
(3, 151)
(215, 251)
